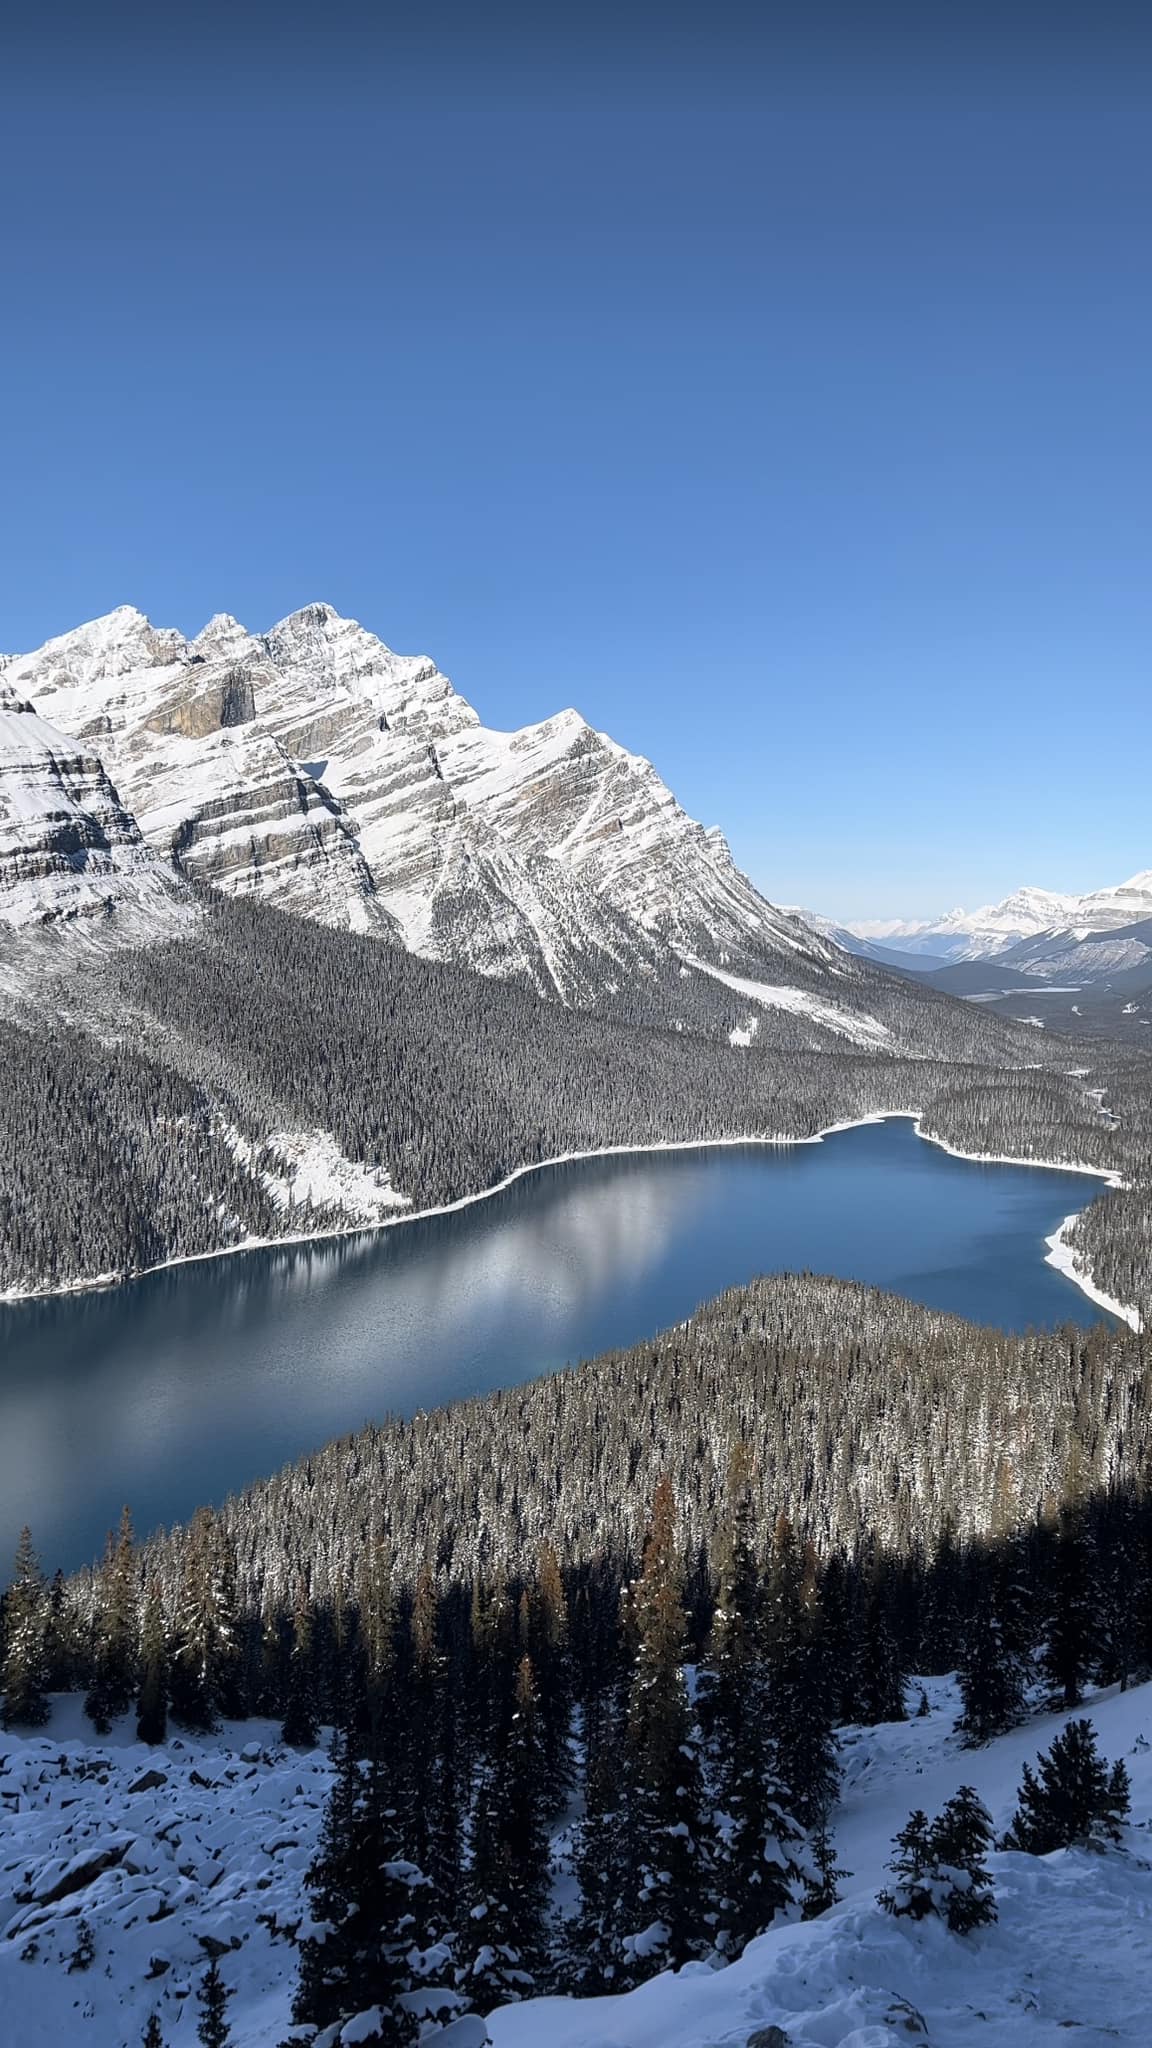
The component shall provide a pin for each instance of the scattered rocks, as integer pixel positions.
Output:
(56, 1882)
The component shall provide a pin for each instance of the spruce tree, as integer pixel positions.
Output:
(299, 1728)
(882, 1676)
(212, 1997)
(756, 1874)
(376, 1637)
(205, 1660)
(153, 2037)
(603, 1860)
(1075, 1798)
(548, 1647)
(961, 1839)
(152, 1701)
(992, 1678)
(360, 1892)
(666, 1821)
(801, 1709)
(115, 1630)
(507, 1935)
(939, 1867)
(1075, 1597)
(910, 1894)
(23, 1674)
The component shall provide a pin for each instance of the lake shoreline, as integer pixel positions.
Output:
(1059, 1254)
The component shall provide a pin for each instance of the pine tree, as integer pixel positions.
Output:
(961, 1839)
(115, 1630)
(360, 1888)
(152, 1701)
(299, 1728)
(548, 1647)
(1076, 1798)
(603, 1860)
(882, 1676)
(212, 1997)
(205, 1661)
(910, 1896)
(992, 1678)
(665, 1792)
(23, 1675)
(1071, 1645)
(507, 1932)
(756, 1874)
(153, 2038)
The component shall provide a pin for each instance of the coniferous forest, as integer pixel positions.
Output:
(645, 1592)
(151, 1133)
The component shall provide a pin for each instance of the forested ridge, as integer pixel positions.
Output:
(145, 1137)
(657, 1584)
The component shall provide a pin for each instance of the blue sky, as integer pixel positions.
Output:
(785, 405)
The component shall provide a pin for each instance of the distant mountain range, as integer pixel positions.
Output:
(999, 927)
(1079, 962)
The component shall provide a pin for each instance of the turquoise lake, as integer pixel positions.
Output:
(182, 1386)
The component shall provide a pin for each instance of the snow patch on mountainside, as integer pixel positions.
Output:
(862, 1030)
(309, 1170)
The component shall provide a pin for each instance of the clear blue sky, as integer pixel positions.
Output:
(781, 399)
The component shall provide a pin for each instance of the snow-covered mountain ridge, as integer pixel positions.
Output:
(993, 929)
(313, 766)
(69, 850)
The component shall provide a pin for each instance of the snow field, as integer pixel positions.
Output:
(201, 1846)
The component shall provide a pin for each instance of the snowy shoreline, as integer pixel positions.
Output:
(1059, 1255)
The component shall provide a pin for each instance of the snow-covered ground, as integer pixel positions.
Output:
(852, 1024)
(201, 1846)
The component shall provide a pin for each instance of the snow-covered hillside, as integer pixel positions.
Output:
(315, 767)
(199, 1848)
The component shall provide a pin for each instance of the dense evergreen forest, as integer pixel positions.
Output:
(645, 1592)
(144, 1136)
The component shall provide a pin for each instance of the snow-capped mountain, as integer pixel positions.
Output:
(314, 766)
(69, 850)
(1026, 914)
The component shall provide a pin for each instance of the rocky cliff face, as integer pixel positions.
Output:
(69, 850)
(316, 767)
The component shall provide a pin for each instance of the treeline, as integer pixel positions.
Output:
(681, 1699)
(869, 1418)
(118, 1152)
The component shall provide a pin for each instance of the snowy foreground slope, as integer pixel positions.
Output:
(200, 1847)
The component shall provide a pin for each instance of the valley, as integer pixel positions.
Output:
(418, 1149)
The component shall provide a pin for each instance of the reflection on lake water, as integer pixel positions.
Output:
(188, 1383)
